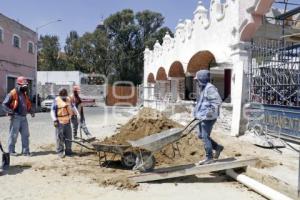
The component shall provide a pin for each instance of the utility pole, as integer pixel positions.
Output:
(36, 57)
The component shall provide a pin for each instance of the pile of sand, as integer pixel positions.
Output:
(149, 121)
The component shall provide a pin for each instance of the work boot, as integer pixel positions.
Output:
(27, 154)
(69, 153)
(61, 155)
(219, 149)
(13, 153)
(206, 161)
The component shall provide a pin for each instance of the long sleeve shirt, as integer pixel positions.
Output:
(208, 103)
(22, 106)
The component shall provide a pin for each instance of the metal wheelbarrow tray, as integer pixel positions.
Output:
(158, 141)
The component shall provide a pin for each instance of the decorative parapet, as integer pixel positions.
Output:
(222, 26)
(217, 9)
(167, 42)
(201, 15)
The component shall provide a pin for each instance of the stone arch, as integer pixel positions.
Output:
(162, 86)
(161, 74)
(151, 78)
(177, 80)
(176, 70)
(200, 60)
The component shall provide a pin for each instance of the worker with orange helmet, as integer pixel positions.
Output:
(17, 104)
(76, 100)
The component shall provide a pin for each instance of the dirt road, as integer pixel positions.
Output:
(45, 176)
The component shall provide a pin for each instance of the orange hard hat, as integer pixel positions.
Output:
(21, 80)
(76, 88)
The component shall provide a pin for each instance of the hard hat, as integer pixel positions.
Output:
(21, 80)
(76, 88)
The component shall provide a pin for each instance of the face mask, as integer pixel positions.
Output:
(24, 89)
(76, 93)
(64, 98)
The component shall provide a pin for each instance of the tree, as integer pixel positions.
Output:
(115, 48)
(48, 53)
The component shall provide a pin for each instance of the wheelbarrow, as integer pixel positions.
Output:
(149, 145)
(128, 158)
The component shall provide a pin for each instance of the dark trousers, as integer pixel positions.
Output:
(205, 128)
(63, 135)
(75, 125)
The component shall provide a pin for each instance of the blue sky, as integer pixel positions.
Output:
(84, 15)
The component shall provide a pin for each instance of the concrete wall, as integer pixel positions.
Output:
(97, 92)
(15, 61)
(60, 77)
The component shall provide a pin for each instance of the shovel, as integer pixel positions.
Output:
(5, 158)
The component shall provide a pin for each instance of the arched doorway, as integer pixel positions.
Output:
(150, 87)
(220, 75)
(200, 60)
(162, 87)
(177, 77)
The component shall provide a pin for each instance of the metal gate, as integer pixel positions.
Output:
(274, 77)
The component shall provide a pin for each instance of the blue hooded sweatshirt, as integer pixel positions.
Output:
(209, 101)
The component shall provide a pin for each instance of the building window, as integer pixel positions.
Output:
(16, 41)
(1, 34)
(30, 47)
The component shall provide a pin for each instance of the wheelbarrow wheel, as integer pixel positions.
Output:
(128, 160)
(146, 163)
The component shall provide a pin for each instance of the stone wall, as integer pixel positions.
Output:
(97, 92)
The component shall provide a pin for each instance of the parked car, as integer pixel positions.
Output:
(47, 103)
(88, 102)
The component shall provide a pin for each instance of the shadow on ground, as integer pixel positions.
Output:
(16, 169)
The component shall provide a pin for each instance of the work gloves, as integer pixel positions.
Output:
(55, 123)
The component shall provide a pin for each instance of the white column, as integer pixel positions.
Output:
(239, 86)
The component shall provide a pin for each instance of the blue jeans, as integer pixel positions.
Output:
(205, 128)
(18, 124)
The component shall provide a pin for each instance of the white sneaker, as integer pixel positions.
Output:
(206, 161)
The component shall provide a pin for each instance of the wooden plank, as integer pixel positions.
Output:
(188, 170)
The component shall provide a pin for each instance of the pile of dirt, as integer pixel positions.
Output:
(149, 121)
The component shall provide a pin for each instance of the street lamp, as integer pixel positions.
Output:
(36, 56)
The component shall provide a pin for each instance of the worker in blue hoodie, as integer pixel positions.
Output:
(207, 111)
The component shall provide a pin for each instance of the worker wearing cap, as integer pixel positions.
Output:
(61, 112)
(76, 100)
(17, 104)
(207, 110)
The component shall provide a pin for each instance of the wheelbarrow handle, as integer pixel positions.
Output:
(195, 119)
(199, 121)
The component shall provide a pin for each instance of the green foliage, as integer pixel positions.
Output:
(114, 49)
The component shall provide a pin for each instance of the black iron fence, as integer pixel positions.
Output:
(274, 76)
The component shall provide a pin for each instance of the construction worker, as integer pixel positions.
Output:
(17, 104)
(76, 100)
(207, 111)
(61, 112)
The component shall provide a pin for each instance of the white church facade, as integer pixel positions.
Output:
(217, 39)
